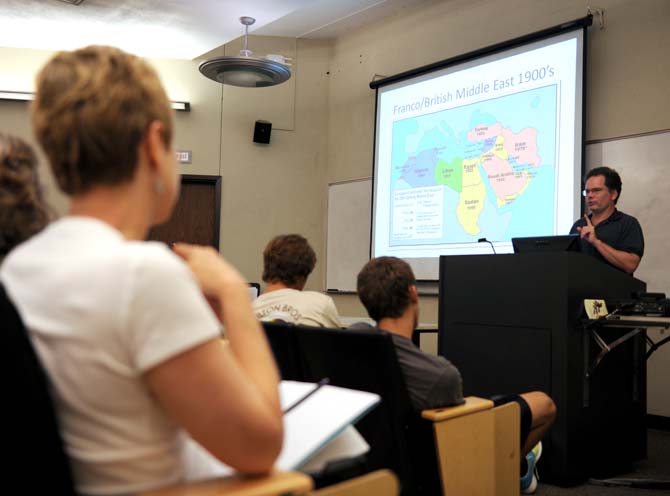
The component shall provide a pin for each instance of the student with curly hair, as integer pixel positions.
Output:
(287, 262)
(23, 211)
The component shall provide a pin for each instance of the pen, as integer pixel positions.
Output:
(318, 386)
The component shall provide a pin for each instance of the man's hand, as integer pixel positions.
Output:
(624, 260)
(588, 232)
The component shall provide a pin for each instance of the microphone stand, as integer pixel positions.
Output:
(484, 240)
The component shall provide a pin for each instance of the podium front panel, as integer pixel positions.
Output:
(513, 324)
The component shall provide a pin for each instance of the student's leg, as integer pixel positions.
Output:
(543, 414)
(537, 414)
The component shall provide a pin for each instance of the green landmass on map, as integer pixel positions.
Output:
(450, 173)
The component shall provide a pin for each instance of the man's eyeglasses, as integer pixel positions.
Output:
(592, 190)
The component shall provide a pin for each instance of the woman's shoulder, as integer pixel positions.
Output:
(154, 259)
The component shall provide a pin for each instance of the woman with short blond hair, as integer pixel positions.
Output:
(124, 327)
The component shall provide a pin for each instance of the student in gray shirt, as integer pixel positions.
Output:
(387, 289)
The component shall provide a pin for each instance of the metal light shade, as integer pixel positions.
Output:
(245, 71)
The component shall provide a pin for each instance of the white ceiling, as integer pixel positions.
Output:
(179, 28)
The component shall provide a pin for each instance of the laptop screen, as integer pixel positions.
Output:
(254, 290)
(568, 242)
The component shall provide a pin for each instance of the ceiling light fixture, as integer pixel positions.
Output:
(16, 95)
(244, 70)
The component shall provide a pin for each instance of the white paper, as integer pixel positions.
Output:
(317, 421)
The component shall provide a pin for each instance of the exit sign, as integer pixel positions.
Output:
(184, 156)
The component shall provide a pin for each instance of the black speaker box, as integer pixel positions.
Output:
(262, 132)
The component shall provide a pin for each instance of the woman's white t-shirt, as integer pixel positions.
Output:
(101, 311)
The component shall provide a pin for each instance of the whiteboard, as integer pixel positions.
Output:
(642, 161)
(348, 238)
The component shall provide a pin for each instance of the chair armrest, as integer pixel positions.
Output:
(472, 404)
(477, 447)
(374, 483)
(464, 440)
(275, 484)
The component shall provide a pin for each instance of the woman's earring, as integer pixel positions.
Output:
(158, 185)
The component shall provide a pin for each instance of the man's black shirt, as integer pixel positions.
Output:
(620, 231)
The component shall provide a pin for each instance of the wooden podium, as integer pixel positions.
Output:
(514, 323)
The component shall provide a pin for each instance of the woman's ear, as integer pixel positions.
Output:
(154, 145)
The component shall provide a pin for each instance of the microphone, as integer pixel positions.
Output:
(484, 240)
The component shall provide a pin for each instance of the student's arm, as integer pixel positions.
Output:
(224, 396)
(206, 392)
(447, 389)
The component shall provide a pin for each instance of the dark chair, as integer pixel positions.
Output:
(365, 360)
(284, 344)
(467, 449)
(36, 462)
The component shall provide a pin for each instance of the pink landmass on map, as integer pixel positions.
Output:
(483, 132)
(502, 178)
(522, 147)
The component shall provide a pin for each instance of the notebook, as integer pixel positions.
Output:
(312, 426)
(316, 431)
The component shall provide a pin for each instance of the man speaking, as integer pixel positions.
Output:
(607, 233)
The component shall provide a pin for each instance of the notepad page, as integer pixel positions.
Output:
(318, 420)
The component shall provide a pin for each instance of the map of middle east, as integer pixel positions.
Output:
(479, 170)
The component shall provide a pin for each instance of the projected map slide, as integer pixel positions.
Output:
(489, 149)
(481, 170)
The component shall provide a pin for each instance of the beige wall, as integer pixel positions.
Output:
(627, 64)
(276, 188)
(266, 189)
(627, 89)
(197, 130)
(17, 73)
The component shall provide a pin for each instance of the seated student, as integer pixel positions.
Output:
(287, 262)
(140, 379)
(387, 289)
(23, 211)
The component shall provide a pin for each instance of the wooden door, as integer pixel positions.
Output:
(196, 216)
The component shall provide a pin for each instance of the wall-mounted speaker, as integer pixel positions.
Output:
(262, 132)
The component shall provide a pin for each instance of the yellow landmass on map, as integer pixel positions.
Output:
(471, 199)
(499, 148)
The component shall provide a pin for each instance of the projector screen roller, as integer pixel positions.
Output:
(489, 148)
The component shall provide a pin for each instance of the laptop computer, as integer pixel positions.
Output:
(254, 290)
(532, 244)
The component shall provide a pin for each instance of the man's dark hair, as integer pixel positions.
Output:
(383, 287)
(287, 259)
(612, 179)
